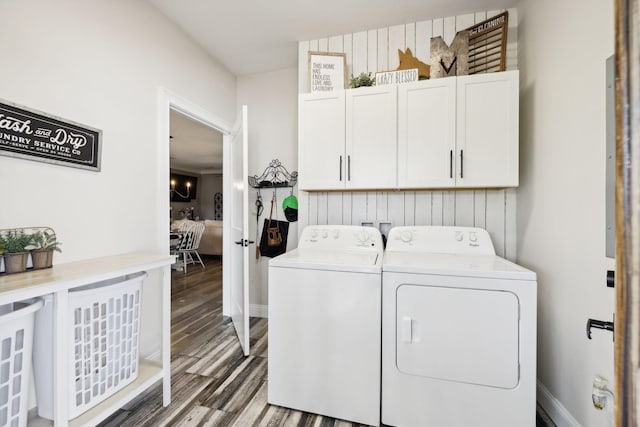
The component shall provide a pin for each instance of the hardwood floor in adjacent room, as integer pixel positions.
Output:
(212, 383)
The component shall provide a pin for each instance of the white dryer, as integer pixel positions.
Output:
(459, 332)
(324, 324)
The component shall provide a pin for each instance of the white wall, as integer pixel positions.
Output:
(561, 199)
(101, 63)
(272, 100)
(377, 50)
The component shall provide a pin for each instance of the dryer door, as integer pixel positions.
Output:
(456, 334)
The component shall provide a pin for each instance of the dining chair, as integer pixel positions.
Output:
(191, 232)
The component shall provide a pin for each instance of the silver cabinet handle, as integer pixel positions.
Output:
(349, 168)
(340, 168)
(461, 163)
(450, 163)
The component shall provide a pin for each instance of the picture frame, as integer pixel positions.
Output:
(327, 71)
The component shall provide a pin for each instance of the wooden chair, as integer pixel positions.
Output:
(191, 232)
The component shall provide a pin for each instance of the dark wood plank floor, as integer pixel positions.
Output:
(213, 383)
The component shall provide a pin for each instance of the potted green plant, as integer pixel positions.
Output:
(42, 245)
(364, 79)
(14, 243)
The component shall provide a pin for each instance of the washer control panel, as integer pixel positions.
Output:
(441, 239)
(340, 237)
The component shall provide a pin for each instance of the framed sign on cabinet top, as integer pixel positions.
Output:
(327, 71)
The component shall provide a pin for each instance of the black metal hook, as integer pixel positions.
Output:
(598, 324)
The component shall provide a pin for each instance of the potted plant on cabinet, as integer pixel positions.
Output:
(42, 245)
(15, 255)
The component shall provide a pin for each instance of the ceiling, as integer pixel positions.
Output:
(194, 147)
(255, 36)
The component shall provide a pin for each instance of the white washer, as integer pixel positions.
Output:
(324, 324)
(459, 332)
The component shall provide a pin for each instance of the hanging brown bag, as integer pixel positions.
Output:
(274, 233)
(274, 238)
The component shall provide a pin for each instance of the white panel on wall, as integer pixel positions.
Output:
(347, 46)
(377, 50)
(423, 209)
(449, 29)
(335, 207)
(359, 53)
(396, 41)
(464, 205)
(382, 203)
(438, 27)
(409, 207)
(323, 45)
(323, 208)
(510, 241)
(346, 208)
(495, 221)
(437, 207)
(448, 208)
(383, 49)
(410, 37)
(303, 67)
(335, 44)
(372, 205)
(372, 51)
(465, 21)
(480, 208)
(423, 41)
(396, 207)
(512, 40)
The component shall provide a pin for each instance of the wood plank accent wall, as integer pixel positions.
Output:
(377, 50)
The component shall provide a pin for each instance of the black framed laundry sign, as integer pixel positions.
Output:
(34, 135)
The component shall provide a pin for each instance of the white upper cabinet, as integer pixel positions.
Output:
(321, 135)
(454, 132)
(426, 133)
(487, 130)
(459, 132)
(371, 137)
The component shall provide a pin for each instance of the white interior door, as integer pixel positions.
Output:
(240, 232)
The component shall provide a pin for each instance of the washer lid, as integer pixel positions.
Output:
(359, 261)
(488, 266)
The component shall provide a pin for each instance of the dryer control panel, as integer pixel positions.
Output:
(340, 237)
(440, 239)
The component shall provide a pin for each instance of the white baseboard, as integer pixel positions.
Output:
(259, 310)
(556, 410)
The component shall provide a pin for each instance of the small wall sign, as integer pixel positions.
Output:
(396, 77)
(327, 71)
(34, 135)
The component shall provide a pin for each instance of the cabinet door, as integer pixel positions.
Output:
(487, 130)
(426, 133)
(371, 137)
(321, 141)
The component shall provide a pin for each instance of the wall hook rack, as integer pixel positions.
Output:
(274, 176)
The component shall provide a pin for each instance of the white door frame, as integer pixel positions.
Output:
(171, 101)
